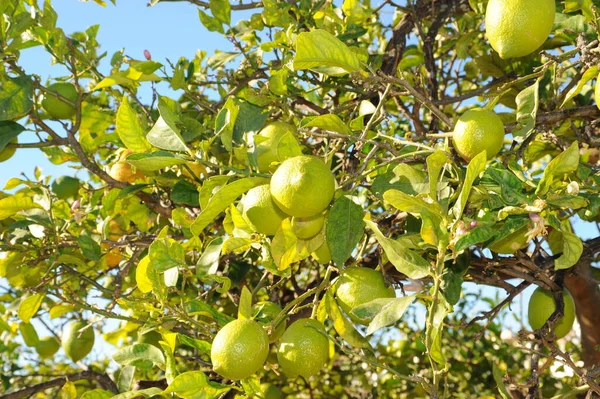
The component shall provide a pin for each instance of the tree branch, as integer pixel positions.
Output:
(102, 379)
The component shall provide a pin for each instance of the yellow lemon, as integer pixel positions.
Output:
(275, 143)
(305, 228)
(260, 211)
(478, 130)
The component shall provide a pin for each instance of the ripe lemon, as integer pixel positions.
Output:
(65, 187)
(270, 391)
(511, 243)
(305, 228)
(359, 285)
(275, 143)
(265, 312)
(541, 307)
(302, 186)
(239, 349)
(113, 257)
(77, 344)
(56, 108)
(322, 254)
(260, 211)
(478, 130)
(47, 347)
(8, 152)
(303, 349)
(516, 28)
(123, 172)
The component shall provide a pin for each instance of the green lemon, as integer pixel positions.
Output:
(47, 347)
(359, 285)
(264, 313)
(8, 152)
(541, 307)
(305, 228)
(302, 186)
(516, 28)
(270, 391)
(511, 243)
(151, 337)
(260, 211)
(56, 108)
(239, 349)
(275, 143)
(322, 254)
(65, 187)
(76, 344)
(478, 130)
(303, 348)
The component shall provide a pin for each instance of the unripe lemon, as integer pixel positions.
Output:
(47, 347)
(516, 28)
(270, 391)
(478, 130)
(541, 307)
(65, 187)
(359, 285)
(260, 211)
(123, 172)
(322, 254)
(511, 243)
(8, 152)
(56, 108)
(302, 186)
(77, 344)
(275, 143)
(303, 348)
(239, 349)
(305, 228)
(264, 313)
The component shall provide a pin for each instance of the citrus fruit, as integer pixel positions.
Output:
(113, 257)
(65, 187)
(322, 254)
(303, 348)
(260, 212)
(123, 172)
(47, 346)
(359, 285)
(8, 152)
(275, 143)
(478, 130)
(270, 391)
(305, 228)
(516, 28)
(239, 349)
(151, 337)
(265, 312)
(77, 344)
(302, 186)
(511, 243)
(56, 108)
(542, 305)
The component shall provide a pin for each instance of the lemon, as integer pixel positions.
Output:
(542, 305)
(260, 211)
(65, 187)
(77, 344)
(123, 172)
(56, 108)
(265, 312)
(113, 257)
(275, 143)
(47, 347)
(8, 152)
(511, 243)
(516, 28)
(322, 254)
(302, 186)
(478, 130)
(303, 348)
(270, 391)
(359, 285)
(239, 349)
(305, 228)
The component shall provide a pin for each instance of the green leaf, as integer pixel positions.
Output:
(344, 228)
(197, 307)
(475, 236)
(434, 329)
(499, 379)
(221, 9)
(166, 253)
(210, 23)
(30, 336)
(166, 134)
(61, 310)
(451, 286)
(8, 131)
(203, 346)
(209, 260)
(225, 122)
(572, 251)
(322, 52)
(404, 260)
(147, 393)
(15, 203)
(130, 129)
(527, 107)
(186, 193)
(475, 168)
(125, 380)
(220, 200)
(29, 307)
(97, 394)
(16, 97)
(155, 161)
(329, 122)
(342, 325)
(142, 356)
(390, 313)
(566, 162)
(195, 385)
(435, 164)
(245, 307)
(89, 248)
(588, 75)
